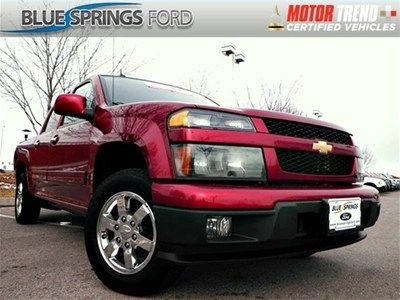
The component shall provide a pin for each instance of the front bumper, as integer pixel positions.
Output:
(208, 196)
(290, 227)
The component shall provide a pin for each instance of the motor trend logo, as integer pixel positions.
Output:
(388, 12)
(347, 17)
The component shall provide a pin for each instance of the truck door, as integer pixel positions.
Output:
(39, 155)
(68, 173)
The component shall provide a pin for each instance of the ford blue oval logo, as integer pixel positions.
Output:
(345, 216)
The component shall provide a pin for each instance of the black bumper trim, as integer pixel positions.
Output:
(263, 250)
(289, 227)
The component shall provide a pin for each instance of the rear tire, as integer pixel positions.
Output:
(27, 208)
(121, 236)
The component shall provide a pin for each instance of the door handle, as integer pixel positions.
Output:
(36, 143)
(54, 139)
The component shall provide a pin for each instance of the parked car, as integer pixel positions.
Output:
(374, 181)
(393, 184)
(388, 183)
(396, 181)
(166, 176)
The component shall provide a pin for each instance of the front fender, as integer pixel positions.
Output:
(143, 124)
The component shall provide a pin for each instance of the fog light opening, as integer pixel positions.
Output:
(218, 227)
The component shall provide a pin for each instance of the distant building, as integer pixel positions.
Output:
(6, 166)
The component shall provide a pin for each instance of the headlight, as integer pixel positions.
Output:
(209, 119)
(224, 162)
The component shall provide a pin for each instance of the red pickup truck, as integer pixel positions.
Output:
(167, 177)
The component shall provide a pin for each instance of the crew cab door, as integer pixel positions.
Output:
(68, 173)
(39, 155)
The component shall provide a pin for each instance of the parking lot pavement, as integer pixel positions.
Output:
(48, 260)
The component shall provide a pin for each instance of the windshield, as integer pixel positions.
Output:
(122, 90)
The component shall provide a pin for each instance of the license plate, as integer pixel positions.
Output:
(344, 214)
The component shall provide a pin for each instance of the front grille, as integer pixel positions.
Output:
(307, 131)
(314, 163)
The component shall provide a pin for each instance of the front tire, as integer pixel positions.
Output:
(27, 208)
(121, 235)
(303, 255)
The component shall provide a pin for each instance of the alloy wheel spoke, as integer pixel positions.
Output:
(107, 222)
(144, 243)
(128, 203)
(121, 206)
(19, 199)
(111, 249)
(140, 214)
(129, 260)
(18, 205)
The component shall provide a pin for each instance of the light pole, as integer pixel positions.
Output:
(237, 58)
(230, 51)
(317, 113)
(1, 140)
(26, 132)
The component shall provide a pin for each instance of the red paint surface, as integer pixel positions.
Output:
(70, 104)
(233, 197)
(62, 172)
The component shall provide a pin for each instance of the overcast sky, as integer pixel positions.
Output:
(354, 82)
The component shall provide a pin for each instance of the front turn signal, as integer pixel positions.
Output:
(179, 119)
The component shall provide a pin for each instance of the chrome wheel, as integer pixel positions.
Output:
(19, 198)
(126, 232)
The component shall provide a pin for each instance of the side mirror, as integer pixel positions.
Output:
(72, 105)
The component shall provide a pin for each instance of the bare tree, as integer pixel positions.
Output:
(200, 84)
(276, 98)
(368, 157)
(35, 70)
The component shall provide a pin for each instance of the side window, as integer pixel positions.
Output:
(53, 122)
(84, 90)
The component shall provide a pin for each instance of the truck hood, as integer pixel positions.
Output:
(273, 115)
(153, 107)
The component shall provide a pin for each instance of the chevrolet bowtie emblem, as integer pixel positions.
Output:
(322, 147)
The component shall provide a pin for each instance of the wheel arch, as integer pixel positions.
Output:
(20, 167)
(112, 157)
